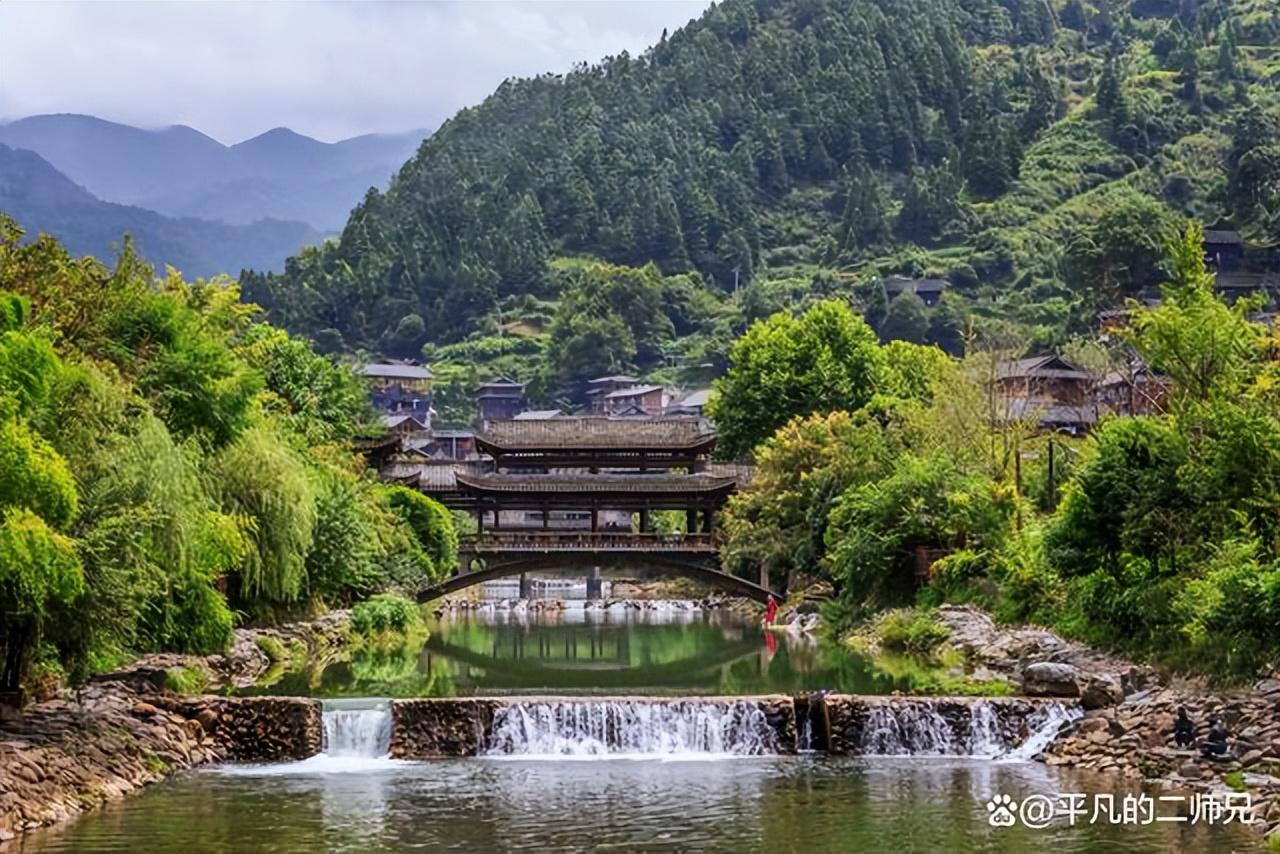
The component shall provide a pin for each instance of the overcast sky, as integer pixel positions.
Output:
(326, 69)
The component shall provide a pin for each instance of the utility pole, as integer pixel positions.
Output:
(736, 270)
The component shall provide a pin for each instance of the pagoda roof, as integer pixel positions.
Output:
(595, 483)
(597, 434)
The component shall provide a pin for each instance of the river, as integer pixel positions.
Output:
(666, 780)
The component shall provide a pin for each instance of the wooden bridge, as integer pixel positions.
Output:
(493, 555)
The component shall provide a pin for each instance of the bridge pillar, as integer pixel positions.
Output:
(526, 587)
(691, 521)
(595, 585)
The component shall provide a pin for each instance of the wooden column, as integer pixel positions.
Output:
(644, 520)
(595, 520)
(691, 521)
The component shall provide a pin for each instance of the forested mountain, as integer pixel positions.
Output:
(181, 172)
(42, 199)
(774, 152)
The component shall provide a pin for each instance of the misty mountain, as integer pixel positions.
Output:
(180, 172)
(42, 199)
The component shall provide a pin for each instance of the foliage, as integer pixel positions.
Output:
(432, 525)
(826, 359)
(911, 631)
(164, 457)
(385, 613)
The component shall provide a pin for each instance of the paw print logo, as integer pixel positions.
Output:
(1000, 811)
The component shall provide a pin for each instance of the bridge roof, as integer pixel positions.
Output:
(649, 484)
(598, 434)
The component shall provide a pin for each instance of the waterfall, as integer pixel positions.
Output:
(1046, 722)
(357, 728)
(919, 728)
(631, 727)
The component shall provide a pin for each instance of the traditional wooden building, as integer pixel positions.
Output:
(599, 387)
(1223, 249)
(500, 399)
(1048, 377)
(930, 291)
(400, 387)
(638, 400)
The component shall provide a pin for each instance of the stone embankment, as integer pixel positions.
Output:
(123, 730)
(1128, 725)
(247, 660)
(65, 756)
(451, 605)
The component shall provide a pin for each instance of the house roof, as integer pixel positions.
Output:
(396, 371)
(453, 434)
(500, 384)
(538, 414)
(1222, 236)
(594, 483)
(1048, 413)
(587, 433)
(694, 399)
(901, 284)
(1039, 367)
(1246, 281)
(391, 422)
(617, 378)
(633, 391)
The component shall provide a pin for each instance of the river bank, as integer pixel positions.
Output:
(1127, 728)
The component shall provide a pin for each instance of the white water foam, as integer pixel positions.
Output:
(357, 736)
(919, 729)
(616, 729)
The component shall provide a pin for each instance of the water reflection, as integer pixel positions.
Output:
(595, 651)
(784, 804)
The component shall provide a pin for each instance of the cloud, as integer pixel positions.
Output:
(327, 69)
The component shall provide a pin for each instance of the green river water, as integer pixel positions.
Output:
(678, 801)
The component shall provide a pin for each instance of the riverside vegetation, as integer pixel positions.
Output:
(171, 466)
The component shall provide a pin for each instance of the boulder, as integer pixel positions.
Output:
(1101, 691)
(1049, 679)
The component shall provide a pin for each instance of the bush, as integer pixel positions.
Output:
(911, 631)
(186, 680)
(385, 613)
(272, 648)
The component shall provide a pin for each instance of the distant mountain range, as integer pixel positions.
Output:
(180, 172)
(42, 199)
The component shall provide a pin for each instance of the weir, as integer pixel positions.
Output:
(848, 725)
(356, 728)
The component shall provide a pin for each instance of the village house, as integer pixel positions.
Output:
(1048, 388)
(600, 387)
(397, 387)
(500, 399)
(1136, 390)
(640, 400)
(930, 291)
(692, 403)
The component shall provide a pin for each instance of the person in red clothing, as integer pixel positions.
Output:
(770, 610)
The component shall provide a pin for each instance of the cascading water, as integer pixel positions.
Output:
(631, 727)
(1046, 723)
(357, 728)
(920, 729)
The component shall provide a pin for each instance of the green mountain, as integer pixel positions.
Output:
(42, 199)
(1030, 153)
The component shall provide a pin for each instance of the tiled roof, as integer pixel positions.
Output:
(1222, 236)
(396, 371)
(538, 414)
(1042, 367)
(596, 434)
(595, 483)
(633, 391)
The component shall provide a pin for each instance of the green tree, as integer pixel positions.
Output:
(825, 360)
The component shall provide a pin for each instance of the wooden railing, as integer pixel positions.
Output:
(526, 541)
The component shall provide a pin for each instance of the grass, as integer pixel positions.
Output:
(186, 680)
(385, 613)
(1235, 780)
(272, 648)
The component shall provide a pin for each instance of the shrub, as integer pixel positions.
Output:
(186, 680)
(385, 613)
(908, 630)
(271, 647)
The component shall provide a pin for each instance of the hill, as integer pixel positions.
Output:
(178, 171)
(1030, 154)
(42, 199)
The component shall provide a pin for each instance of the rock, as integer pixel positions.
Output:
(144, 710)
(1190, 770)
(1049, 679)
(1101, 691)
(208, 719)
(1089, 725)
(1253, 757)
